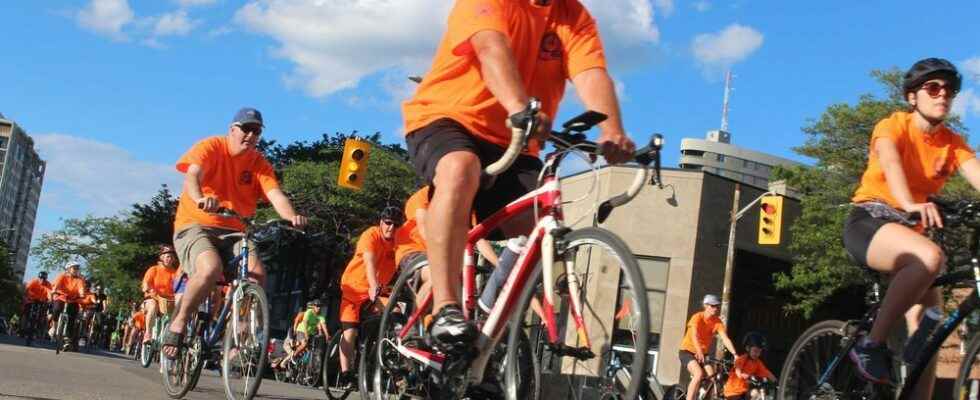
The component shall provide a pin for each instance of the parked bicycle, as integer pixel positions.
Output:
(818, 367)
(405, 364)
(243, 322)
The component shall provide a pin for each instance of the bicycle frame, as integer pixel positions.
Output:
(214, 330)
(547, 200)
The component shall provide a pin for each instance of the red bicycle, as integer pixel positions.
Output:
(577, 289)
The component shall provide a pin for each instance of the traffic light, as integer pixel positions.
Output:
(770, 219)
(353, 166)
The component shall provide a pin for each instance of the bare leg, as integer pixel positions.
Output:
(347, 348)
(697, 374)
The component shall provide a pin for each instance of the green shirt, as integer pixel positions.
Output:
(310, 322)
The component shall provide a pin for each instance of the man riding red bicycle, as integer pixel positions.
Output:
(494, 56)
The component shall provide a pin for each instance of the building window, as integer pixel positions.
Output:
(746, 164)
(720, 157)
(654, 271)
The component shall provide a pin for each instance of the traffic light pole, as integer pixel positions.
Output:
(726, 290)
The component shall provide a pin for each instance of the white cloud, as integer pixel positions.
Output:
(106, 17)
(702, 5)
(98, 177)
(966, 103)
(194, 3)
(174, 24)
(334, 44)
(971, 68)
(719, 51)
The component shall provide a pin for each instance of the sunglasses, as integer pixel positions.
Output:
(254, 129)
(389, 222)
(933, 89)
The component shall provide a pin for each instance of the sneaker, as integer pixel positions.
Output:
(450, 331)
(873, 361)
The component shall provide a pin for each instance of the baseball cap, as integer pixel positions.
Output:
(247, 115)
(711, 299)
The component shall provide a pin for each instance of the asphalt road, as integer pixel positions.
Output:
(37, 373)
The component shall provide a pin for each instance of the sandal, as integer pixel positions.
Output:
(173, 339)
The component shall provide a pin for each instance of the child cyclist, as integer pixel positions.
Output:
(747, 367)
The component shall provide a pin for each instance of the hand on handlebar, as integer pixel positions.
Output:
(928, 213)
(616, 148)
(208, 204)
(518, 122)
(298, 221)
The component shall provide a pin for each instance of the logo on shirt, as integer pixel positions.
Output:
(550, 47)
(484, 10)
(245, 178)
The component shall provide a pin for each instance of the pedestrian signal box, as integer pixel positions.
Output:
(770, 219)
(353, 166)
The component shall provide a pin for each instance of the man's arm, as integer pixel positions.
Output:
(596, 90)
(728, 342)
(500, 74)
(372, 274)
(284, 208)
(192, 185)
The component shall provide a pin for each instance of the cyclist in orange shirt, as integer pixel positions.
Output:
(37, 293)
(748, 366)
(220, 171)
(138, 323)
(700, 334)
(158, 288)
(372, 267)
(911, 155)
(493, 57)
(68, 292)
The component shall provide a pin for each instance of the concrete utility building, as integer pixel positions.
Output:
(716, 154)
(679, 234)
(20, 189)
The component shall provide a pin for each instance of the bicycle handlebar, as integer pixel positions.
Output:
(284, 224)
(565, 139)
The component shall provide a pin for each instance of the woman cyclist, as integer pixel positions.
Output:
(912, 154)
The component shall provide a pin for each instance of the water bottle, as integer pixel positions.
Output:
(506, 263)
(918, 339)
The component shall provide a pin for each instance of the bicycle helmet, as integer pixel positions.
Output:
(313, 303)
(393, 214)
(70, 264)
(42, 274)
(754, 339)
(166, 248)
(931, 68)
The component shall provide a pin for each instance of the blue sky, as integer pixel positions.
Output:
(114, 90)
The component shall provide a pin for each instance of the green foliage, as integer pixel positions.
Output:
(838, 141)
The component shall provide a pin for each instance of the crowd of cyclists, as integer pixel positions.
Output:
(493, 58)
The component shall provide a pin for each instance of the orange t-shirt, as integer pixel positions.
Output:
(354, 282)
(69, 288)
(705, 330)
(160, 279)
(88, 301)
(408, 239)
(38, 291)
(551, 44)
(238, 182)
(928, 160)
(139, 319)
(737, 386)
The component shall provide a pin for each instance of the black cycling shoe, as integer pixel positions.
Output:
(346, 380)
(450, 332)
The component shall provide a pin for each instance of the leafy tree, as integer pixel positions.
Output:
(838, 141)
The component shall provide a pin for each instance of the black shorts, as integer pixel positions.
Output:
(859, 228)
(427, 145)
(686, 357)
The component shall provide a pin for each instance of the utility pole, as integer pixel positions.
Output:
(726, 290)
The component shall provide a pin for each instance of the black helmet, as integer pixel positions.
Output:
(931, 68)
(313, 303)
(42, 274)
(394, 214)
(754, 339)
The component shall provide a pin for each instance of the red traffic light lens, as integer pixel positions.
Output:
(768, 208)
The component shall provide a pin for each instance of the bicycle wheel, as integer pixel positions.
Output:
(675, 392)
(396, 376)
(179, 374)
(808, 360)
(59, 331)
(331, 369)
(968, 380)
(603, 266)
(246, 339)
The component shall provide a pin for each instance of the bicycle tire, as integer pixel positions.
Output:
(967, 387)
(629, 275)
(59, 331)
(198, 351)
(185, 365)
(808, 357)
(254, 351)
(331, 369)
(391, 368)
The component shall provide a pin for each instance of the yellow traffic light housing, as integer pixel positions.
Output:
(770, 219)
(353, 166)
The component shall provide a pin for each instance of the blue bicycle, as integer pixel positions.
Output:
(242, 323)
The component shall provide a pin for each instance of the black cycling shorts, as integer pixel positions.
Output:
(859, 228)
(686, 357)
(427, 145)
